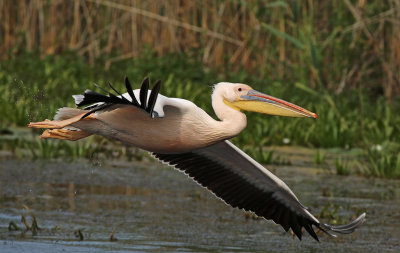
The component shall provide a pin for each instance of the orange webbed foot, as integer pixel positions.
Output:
(64, 134)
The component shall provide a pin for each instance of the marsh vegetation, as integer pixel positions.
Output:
(33, 88)
(339, 59)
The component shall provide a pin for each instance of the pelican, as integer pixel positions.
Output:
(182, 135)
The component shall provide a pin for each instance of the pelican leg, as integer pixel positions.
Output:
(64, 134)
(57, 124)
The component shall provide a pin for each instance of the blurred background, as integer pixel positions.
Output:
(340, 59)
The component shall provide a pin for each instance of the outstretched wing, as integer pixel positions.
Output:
(97, 101)
(241, 182)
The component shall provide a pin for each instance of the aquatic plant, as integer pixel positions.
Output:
(342, 167)
(383, 164)
(319, 157)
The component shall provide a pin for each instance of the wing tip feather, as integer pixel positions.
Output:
(344, 229)
(91, 97)
(293, 220)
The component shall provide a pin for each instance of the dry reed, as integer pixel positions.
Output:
(340, 44)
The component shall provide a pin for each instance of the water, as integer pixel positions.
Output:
(153, 208)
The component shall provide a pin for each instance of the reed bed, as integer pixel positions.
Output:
(334, 45)
(340, 59)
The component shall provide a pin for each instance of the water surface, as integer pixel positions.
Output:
(153, 208)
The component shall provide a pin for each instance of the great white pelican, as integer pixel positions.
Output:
(182, 135)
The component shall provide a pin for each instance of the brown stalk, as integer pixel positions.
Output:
(76, 27)
(207, 49)
(376, 47)
(165, 19)
(41, 31)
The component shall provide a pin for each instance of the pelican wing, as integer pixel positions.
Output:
(98, 102)
(241, 182)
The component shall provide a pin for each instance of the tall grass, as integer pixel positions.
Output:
(333, 45)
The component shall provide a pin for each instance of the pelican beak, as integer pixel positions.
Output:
(256, 101)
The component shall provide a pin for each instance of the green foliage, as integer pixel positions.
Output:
(341, 167)
(32, 89)
(260, 155)
(319, 157)
(383, 161)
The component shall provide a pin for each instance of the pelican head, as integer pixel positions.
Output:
(242, 97)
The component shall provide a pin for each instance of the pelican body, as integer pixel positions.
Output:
(182, 135)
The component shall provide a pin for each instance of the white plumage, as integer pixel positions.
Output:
(179, 133)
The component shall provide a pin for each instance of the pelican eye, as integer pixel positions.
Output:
(240, 89)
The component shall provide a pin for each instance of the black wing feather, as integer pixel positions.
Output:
(248, 187)
(99, 101)
(130, 92)
(119, 94)
(95, 109)
(232, 188)
(143, 92)
(153, 97)
(91, 97)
